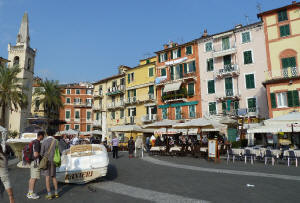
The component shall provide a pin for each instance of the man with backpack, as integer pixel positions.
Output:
(35, 146)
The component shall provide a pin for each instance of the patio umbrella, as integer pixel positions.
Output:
(194, 123)
(227, 120)
(97, 132)
(85, 133)
(69, 132)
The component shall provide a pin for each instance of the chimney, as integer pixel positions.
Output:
(204, 33)
(294, 2)
(238, 26)
(171, 43)
(166, 46)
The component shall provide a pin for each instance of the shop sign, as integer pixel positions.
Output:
(79, 175)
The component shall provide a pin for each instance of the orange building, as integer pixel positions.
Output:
(77, 109)
(178, 82)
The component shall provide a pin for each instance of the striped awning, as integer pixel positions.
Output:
(172, 87)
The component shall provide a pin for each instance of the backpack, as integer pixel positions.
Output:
(27, 153)
(57, 158)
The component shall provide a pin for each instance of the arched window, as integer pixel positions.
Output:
(16, 60)
(29, 64)
(288, 58)
(37, 104)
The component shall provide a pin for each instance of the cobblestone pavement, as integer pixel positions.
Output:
(175, 179)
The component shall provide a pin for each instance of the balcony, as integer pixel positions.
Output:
(98, 94)
(114, 105)
(220, 51)
(174, 97)
(149, 118)
(228, 70)
(228, 94)
(82, 104)
(246, 112)
(132, 100)
(97, 123)
(184, 77)
(130, 120)
(97, 108)
(115, 90)
(146, 98)
(285, 73)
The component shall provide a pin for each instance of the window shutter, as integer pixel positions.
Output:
(171, 54)
(134, 92)
(296, 98)
(273, 100)
(128, 93)
(128, 77)
(236, 105)
(166, 56)
(180, 71)
(285, 62)
(172, 72)
(194, 66)
(290, 98)
(223, 106)
(211, 86)
(179, 52)
(151, 89)
(163, 72)
(185, 68)
(247, 82)
(159, 58)
(292, 62)
(282, 31)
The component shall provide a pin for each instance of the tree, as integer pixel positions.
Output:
(48, 94)
(12, 96)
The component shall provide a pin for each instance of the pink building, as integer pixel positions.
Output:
(232, 66)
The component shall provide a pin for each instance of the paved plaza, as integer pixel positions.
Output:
(175, 179)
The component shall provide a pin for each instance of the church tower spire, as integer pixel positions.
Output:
(23, 35)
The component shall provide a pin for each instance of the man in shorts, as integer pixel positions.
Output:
(34, 165)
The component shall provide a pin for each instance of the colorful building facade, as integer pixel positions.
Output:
(282, 39)
(77, 110)
(178, 82)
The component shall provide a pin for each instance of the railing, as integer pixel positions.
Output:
(98, 94)
(282, 73)
(131, 100)
(115, 104)
(82, 104)
(97, 123)
(149, 118)
(115, 90)
(254, 111)
(178, 77)
(130, 120)
(97, 108)
(229, 93)
(220, 50)
(231, 69)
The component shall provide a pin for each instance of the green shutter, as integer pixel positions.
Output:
(128, 77)
(247, 57)
(228, 83)
(150, 72)
(191, 89)
(180, 71)
(251, 103)
(185, 68)
(296, 98)
(179, 52)
(158, 58)
(151, 89)
(163, 72)
(194, 66)
(285, 62)
(172, 72)
(128, 93)
(211, 86)
(171, 54)
(224, 106)
(250, 83)
(292, 61)
(282, 16)
(134, 92)
(166, 56)
(284, 30)
(273, 100)
(210, 65)
(236, 105)
(212, 108)
(290, 98)
(227, 60)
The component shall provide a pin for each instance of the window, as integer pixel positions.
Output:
(250, 82)
(176, 72)
(163, 57)
(77, 127)
(88, 102)
(88, 115)
(16, 60)
(227, 60)
(225, 43)
(132, 112)
(68, 114)
(77, 100)
(288, 62)
(188, 50)
(68, 91)
(98, 116)
(282, 16)
(248, 57)
(190, 67)
(284, 30)
(191, 90)
(67, 126)
(122, 113)
(150, 72)
(88, 127)
(130, 77)
(68, 100)
(210, 64)
(251, 104)
(77, 114)
(192, 111)
(122, 81)
(163, 72)
(293, 98)
(164, 113)
(211, 87)
(37, 104)
(176, 53)
(29, 64)
(77, 91)
(281, 99)
(151, 89)
(178, 112)
(113, 115)
(114, 83)
(89, 92)
(208, 46)
(212, 107)
(147, 61)
(245, 37)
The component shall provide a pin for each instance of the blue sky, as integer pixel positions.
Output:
(86, 40)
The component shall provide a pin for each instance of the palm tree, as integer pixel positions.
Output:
(12, 96)
(48, 94)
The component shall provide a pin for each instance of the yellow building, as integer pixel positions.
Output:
(140, 93)
(282, 35)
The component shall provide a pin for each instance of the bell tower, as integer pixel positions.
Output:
(22, 55)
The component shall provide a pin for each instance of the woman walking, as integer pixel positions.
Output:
(130, 147)
(4, 176)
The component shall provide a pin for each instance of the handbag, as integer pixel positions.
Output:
(56, 158)
(44, 162)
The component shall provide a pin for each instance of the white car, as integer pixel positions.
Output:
(83, 163)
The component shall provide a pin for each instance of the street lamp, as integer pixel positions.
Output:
(292, 125)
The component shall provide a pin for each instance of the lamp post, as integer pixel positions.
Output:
(292, 125)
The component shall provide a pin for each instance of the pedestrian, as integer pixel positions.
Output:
(139, 146)
(75, 140)
(148, 144)
(115, 146)
(4, 177)
(48, 149)
(34, 165)
(130, 147)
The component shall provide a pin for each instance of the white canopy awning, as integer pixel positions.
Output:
(194, 123)
(161, 124)
(69, 132)
(126, 128)
(287, 119)
(172, 87)
(272, 129)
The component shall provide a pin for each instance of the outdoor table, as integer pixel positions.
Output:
(203, 149)
(175, 148)
(297, 152)
(276, 152)
(156, 149)
(254, 151)
(237, 151)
